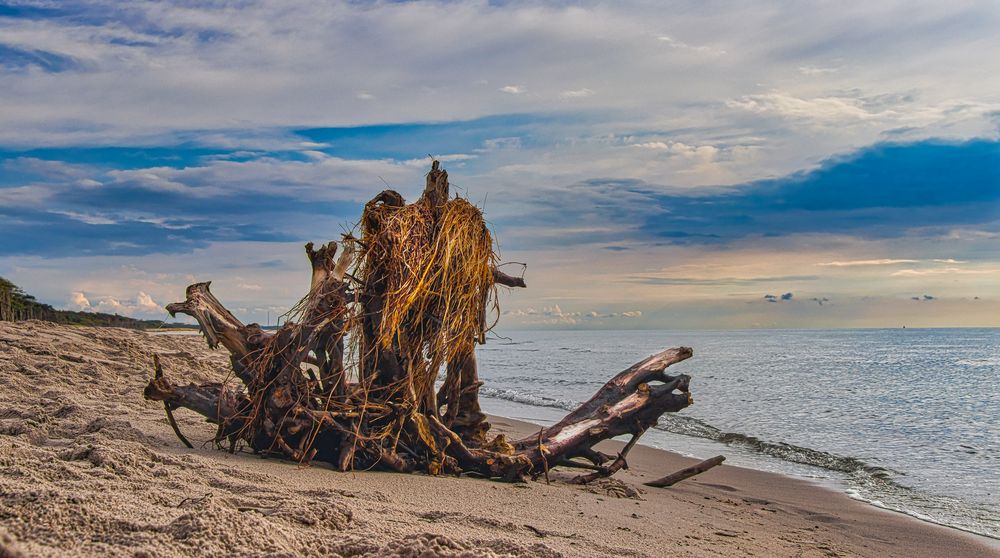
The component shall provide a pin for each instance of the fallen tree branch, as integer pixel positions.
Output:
(502, 278)
(158, 374)
(674, 478)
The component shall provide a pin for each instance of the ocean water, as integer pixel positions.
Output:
(905, 419)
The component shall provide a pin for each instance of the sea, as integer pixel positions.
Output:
(904, 419)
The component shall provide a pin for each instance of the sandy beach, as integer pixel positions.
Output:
(88, 468)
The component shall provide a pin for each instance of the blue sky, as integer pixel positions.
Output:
(656, 164)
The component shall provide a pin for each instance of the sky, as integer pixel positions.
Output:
(655, 164)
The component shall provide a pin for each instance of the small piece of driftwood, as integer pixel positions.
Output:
(674, 478)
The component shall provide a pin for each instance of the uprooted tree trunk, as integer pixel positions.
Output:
(352, 379)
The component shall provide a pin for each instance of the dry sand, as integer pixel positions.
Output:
(88, 468)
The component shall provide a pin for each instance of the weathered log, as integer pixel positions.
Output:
(157, 374)
(688, 472)
(296, 401)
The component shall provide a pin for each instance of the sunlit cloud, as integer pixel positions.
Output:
(857, 263)
(141, 305)
(943, 271)
(555, 315)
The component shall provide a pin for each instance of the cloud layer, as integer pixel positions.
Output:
(636, 155)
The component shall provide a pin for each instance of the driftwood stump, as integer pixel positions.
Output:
(352, 379)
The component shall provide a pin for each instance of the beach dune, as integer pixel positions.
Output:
(88, 468)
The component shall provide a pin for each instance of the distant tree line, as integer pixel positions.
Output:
(17, 305)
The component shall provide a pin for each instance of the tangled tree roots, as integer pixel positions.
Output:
(412, 295)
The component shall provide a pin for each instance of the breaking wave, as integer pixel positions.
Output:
(869, 483)
(528, 399)
(689, 426)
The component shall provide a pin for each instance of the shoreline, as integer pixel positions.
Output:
(853, 408)
(831, 483)
(76, 436)
(647, 462)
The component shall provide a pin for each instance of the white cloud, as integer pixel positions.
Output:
(674, 43)
(46, 168)
(142, 305)
(424, 162)
(680, 148)
(315, 155)
(497, 144)
(24, 195)
(653, 145)
(323, 177)
(145, 302)
(966, 235)
(816, 70)
(701, 157)
(827, 109)
(78, 301)
(857, 263)
(943, 271)
(89, 219)
(577, 93)
(553, 315)
(157, 56)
